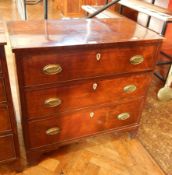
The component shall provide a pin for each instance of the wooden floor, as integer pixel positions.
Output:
(102, 155)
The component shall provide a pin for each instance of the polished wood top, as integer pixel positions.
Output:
(77, 32)
(2, 34)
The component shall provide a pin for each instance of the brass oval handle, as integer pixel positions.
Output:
(52, 69)
(52, 102)
(123, 116)
(130, 88)
(137, 59)
(98, 56)
(53, 131)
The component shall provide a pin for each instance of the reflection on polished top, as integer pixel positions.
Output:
(2, 34)
(68, 32)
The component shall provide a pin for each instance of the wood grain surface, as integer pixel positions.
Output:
(77, 32)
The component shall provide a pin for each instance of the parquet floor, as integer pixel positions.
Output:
(155, 132)
(102, 155)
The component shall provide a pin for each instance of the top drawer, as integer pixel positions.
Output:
(46, 68)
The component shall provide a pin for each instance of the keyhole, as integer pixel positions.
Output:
(95, 86)
(91, 114)
(98, 56)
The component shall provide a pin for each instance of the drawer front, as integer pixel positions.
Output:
(5, 124)
(82, 123)
(2, 90)
(0, 66)
(7, 148)
(41, 103)
(61, 67)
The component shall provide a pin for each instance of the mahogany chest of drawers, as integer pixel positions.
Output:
(9, 150)
(80, 78)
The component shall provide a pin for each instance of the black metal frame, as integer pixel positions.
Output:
(107, 5)
(166, 55)
(25, 9)
(158, 75)
(106, 1)
(149, 17)
(45, 9)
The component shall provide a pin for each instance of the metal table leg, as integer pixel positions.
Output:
(106, 1)
(25, 10)
(45, 9)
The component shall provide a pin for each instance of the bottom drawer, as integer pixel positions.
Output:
(67, 126)
(5, 124)
(7, 149)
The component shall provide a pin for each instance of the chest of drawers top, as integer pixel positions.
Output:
(77, 32)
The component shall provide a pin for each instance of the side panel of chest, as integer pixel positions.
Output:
(9, 145)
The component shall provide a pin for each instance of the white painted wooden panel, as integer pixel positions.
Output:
(21, 9)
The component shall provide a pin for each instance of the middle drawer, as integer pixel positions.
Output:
(5, 124)
(45, 102)
(2, 90)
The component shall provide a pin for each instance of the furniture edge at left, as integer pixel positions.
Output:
(9, 145)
